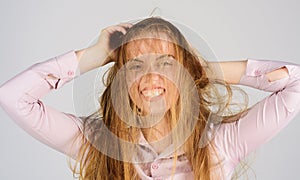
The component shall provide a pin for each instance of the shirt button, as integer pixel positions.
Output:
(257, 72)
(154, 166)
(70, 73)
(187, 170)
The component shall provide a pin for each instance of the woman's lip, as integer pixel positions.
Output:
(148, 98)
(151, 88)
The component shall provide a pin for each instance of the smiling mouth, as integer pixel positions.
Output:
(152, 93)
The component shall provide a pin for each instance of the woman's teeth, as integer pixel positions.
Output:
(152, 92)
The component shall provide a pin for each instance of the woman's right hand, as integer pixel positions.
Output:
(100, 53)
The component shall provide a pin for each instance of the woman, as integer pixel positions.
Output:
(165, 113)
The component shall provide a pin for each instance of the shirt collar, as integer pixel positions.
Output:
(167, 153)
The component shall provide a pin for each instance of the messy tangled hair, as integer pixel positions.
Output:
(95, 164)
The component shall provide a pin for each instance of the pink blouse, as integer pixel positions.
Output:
(21, 98)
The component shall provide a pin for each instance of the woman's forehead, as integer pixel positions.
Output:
(141, 47)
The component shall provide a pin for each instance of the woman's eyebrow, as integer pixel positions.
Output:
(165, 55)
(158, 58)
(135, 59)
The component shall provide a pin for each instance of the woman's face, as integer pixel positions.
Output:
(151, 71)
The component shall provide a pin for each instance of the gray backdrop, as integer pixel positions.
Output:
(33, 31)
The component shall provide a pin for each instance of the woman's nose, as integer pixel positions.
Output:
(151, 77)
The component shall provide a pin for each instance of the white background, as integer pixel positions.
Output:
(33, 31)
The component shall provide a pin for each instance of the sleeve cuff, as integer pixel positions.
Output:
(257, 67)
(58, 70)
(256, 70)
(68, 64)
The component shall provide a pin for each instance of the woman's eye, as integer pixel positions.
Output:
(166, 62)
(135, 67)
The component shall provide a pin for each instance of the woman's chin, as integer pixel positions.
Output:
(152, 112)
(155, 105)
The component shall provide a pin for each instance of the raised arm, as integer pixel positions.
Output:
(21, 96)
(266, 118)
(232, 71)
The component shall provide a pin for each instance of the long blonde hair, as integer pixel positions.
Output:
(93, 164)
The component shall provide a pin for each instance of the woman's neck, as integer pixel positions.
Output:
(157, 133)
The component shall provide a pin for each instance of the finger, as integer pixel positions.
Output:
(126, 25)
(112, 29)
(120, 29)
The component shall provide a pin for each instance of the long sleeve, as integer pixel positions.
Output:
(267, 117)
(20, 98)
